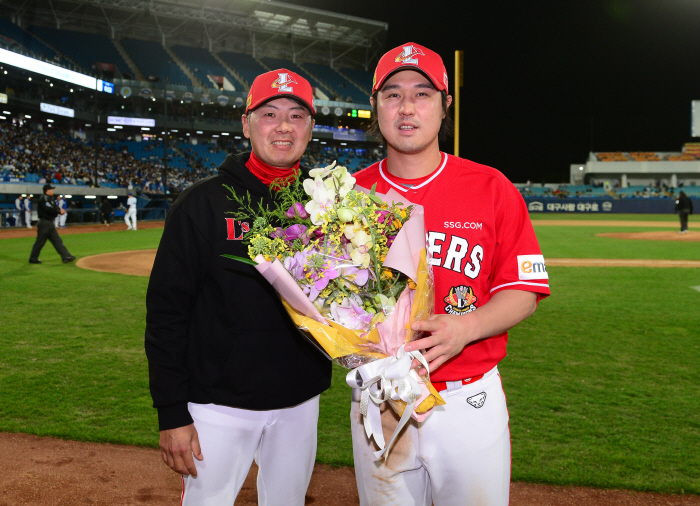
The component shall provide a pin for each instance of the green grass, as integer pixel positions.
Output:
(582, 242)
(602, 382)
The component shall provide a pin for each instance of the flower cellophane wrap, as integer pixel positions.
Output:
(352, 273)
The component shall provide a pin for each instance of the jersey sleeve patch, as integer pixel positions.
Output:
(531, 267)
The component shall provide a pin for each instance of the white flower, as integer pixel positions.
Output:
(322, 200)
(322, 172)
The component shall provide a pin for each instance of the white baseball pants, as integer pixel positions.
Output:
(282, 442)
(459, 456)
(130, 218)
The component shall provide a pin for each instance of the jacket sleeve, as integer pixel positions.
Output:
(174, 285)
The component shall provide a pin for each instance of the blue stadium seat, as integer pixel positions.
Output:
(279, 63)
(244, 64)
(86, 49)
(341, 87)
(203, 64)
(26, 40)
(153, 60)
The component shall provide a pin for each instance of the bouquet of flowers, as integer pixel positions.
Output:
(350, 266)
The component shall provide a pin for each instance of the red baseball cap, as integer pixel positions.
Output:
(411, 56)
(280, 83)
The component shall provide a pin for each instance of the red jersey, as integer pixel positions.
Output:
(479, 241)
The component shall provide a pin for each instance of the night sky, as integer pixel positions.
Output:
(546, 82)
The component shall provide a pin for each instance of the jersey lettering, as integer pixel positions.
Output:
(472, 270)
(457, 251)
(434, 248)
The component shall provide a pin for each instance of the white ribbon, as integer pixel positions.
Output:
(384, 379)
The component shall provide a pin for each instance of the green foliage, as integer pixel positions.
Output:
(603, 381)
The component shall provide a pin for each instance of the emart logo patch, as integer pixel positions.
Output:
(531, 267)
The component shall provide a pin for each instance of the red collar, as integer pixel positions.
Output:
(267, 173)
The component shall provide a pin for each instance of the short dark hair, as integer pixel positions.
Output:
(446, 127)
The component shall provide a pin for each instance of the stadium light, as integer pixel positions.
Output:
(112, 197)
(316, 140)
(71, 90)
(237, 137)
(215, 135)
(173, 130)
(224, 133)
(30, 78)
(343, 143)
(27, 116)
(88, 125)
(90, 197)
(6, 112)
(49, 120)
(199, 132)
(68, 196)
(145, 128)
(111, 129)
(118, 127)
(324, 142)
(3, 117)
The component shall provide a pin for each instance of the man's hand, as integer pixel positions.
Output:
(177, 447)
(451, 333)
(63, 211)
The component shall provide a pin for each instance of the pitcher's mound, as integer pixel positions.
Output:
(137, 263)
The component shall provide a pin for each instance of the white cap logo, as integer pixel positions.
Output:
(408, 55)
(283, 82)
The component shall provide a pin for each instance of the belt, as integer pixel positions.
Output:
(453, 385)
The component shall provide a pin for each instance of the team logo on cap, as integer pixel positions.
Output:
(250, 98)
(444, 79)
(283, 82)
(460, 300)
(408, 55)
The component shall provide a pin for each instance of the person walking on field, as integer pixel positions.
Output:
(28, 211)
(231, 376)
(61, 218)
(19, 207)
(46, 230)
(130, 215)
(684, 208)
(489, 275)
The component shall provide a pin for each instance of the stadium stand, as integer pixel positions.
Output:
(12, 34)
(361, 78)
(153, 60)
(247, 66)
(279, 63)
(341, 88)
(87, 49)
(202, 64)
(612, 157)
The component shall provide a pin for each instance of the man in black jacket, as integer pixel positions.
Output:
(48, 210)
(684, 208)
(232, 378)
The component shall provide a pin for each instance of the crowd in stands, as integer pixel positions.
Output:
(690, 153)
(56, 156)
(656, 190)
(53, 156)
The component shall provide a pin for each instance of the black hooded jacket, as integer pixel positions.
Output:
(216, 331)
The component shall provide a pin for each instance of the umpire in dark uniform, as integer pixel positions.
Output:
(684, 208)
(46, 229)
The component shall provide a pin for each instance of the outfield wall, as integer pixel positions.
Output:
(604, 206)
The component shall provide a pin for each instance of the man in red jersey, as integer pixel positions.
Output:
(489, 276)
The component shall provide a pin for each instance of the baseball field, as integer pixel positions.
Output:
(603, 382)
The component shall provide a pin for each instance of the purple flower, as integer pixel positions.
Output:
(297, 211)
(390, 240)
(382, 215)
(296, 232)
